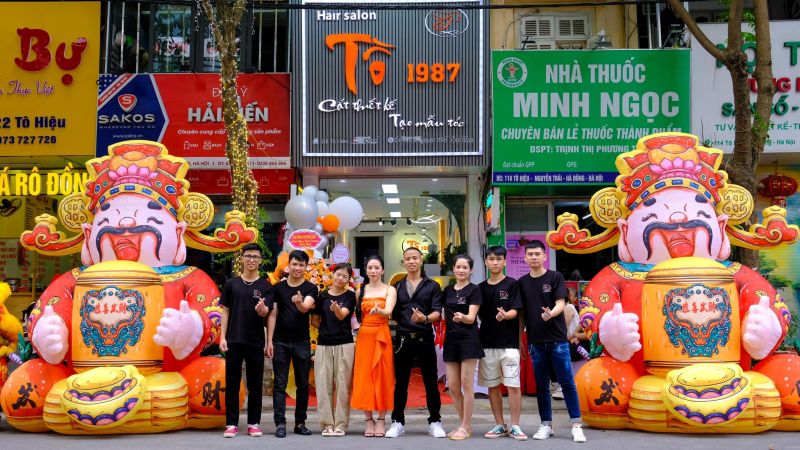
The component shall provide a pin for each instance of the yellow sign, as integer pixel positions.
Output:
(47, 182)
(48, 78)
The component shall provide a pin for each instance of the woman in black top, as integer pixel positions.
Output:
(333, 361)
(462, 346)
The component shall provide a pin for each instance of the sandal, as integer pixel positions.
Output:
(339, 432)
(460, 434)
(328, 431)
(370, 432)
(383, 427)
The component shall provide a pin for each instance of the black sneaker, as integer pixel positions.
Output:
(280, 430)
(301, 429)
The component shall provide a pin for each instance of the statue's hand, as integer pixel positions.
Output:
(180, 330)
(50, 336)
(619, 333)
(761, 329)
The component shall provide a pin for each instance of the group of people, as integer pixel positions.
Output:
(483, 326)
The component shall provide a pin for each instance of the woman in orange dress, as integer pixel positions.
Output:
(373, 373)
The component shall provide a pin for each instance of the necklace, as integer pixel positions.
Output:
(458, 291)
(249, 283)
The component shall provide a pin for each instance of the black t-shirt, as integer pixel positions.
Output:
(291, 325)
(459, 300)
(245, 326)
(504, 334)
(333, 331)
(427, 298)
(535, 293)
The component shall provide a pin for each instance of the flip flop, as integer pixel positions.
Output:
(367, 432)
(328, 431)
(460, 434)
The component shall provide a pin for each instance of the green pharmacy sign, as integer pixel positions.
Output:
(562, 117)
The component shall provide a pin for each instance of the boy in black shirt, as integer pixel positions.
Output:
(499, 334)
(289, 341)
(246, 300)
(542, 293)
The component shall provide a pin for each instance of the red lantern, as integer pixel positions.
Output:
(777, 188)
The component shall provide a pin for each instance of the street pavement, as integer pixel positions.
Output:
(415, 438)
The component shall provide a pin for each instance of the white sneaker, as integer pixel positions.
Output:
(544, 432)
(556, 392)
(395, 430)
(577, 434)
(435, 429)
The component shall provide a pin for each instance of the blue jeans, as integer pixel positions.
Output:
(555, 355)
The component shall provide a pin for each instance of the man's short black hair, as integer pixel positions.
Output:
(535, 244)
(251, 246)
(298, 255)
(496, 250)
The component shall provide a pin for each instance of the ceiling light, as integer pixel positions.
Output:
(380, 222)
(393, 200)
(342, 181)
(395, 214)
(434, 179)
(393, 221)
(408, 220)
(389, 188)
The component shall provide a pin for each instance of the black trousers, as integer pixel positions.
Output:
(406, 350)
(299, 355)
(253, 358)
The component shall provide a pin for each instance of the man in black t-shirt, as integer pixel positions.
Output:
(289, 341)
(246, 300)
(419, 304)
(542, 293)
(499, 334)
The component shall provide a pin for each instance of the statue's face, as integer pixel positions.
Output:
(673, 223)
(132, 227)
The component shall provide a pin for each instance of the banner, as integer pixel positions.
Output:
(218, 182)
(713, 114)
(391, 82)
(184, 112)
(48, 75)
(563, 116)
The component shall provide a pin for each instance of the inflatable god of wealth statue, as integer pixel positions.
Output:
(120, 337)
(679, 324)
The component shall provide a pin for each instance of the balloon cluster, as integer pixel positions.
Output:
(311, 211)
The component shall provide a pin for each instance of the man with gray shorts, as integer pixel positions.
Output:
(499, 335)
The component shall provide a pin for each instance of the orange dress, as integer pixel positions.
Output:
(373, 372)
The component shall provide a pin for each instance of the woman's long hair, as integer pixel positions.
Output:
(364, 286)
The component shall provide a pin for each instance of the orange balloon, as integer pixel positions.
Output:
(204, 375)
(24, 392)
(330, 223)
(604, 385)
(784, 371)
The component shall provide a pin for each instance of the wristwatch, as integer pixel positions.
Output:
(426, 321)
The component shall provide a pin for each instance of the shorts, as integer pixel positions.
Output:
(500, 365)
(459, 351)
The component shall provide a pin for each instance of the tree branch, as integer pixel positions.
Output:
(702, 39)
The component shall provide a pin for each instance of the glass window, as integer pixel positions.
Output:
(173, 26)
(523, 214)
(270, 47)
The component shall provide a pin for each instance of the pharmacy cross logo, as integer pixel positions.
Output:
(448, 23)
(127, 102)
(512, 72)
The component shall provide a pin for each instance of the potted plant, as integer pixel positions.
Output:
(431, 263)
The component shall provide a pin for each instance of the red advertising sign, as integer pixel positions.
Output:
(218, 182)
(184, 112)
(304, 239)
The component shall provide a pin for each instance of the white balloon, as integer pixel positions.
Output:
(301, 212)
(348, 210)
(322, 208)
(287, 247)
(322, 196)
(322, 243)
(310, 191)
(317, 228)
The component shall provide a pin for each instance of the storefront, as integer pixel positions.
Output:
(560, 118)
(47, 129)
(391, 109)
(779, 168)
